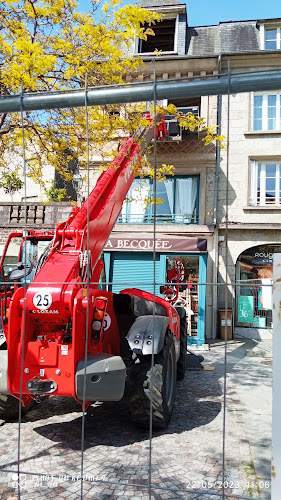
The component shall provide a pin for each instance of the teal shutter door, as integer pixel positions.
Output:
(134, 270)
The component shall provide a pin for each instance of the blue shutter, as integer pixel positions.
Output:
(134, 270)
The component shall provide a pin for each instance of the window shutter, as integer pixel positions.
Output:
(253, 183)
(134, 269)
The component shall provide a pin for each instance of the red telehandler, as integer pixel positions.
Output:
(53, 306)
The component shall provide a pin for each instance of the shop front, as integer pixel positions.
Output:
(129, 262)
(254, 276)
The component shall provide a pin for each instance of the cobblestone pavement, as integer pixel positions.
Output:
(187, 456)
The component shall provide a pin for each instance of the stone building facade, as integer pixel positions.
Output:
(191, 223)
(254, 193)
(246, 177)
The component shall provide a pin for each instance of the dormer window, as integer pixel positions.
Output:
(270, 37)
(164, 38)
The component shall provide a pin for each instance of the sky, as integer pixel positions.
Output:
(207, 12)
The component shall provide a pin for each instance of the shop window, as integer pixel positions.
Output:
(266, 111)
(164, 37)
(254, 286)
(178, 201)
(265, 184)
(188, 291)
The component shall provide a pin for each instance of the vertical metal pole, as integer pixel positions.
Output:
(154, 282)
(25, 286)
(226, 288)
(276, 372)
(88, 295)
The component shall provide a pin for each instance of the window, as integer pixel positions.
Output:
(266, 111)
(28, 252)
(174, 131)
(186, 105)
(164, 37)
(265, 184)
(272, 39)
(186, 102)
(188, 294)
(254, 273)
(180, 201)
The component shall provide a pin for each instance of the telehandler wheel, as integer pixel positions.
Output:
(9, 407)
(181, 363)
(157, 383)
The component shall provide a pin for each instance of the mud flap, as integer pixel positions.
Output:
(148, 331)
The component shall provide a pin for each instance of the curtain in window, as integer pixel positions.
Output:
(186, 192)
(165, 191)
(264, 184)
(179, 201)
(169, 185)
(134, 210)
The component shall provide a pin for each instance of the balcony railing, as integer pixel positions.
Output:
(160, 219)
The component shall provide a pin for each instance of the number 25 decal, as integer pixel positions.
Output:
(42, 300)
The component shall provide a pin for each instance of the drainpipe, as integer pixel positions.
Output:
(216, 235)
(219, 105)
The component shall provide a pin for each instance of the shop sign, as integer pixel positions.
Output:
(163, 243)
(263, 258)
(260, 255)
(245, 309)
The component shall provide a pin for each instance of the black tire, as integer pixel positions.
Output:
(9, 407)
(181, 364)
(156, 384)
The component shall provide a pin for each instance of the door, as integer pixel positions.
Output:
(191, 295)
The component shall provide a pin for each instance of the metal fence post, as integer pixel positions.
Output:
(276, 372)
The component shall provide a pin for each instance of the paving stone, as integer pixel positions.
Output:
(185, 455)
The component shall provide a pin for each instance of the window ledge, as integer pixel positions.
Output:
(263, 132)
(152, 54)
(263, 207)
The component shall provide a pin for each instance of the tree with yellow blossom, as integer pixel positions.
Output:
(48, 45)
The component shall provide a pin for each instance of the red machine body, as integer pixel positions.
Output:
(50, 320)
